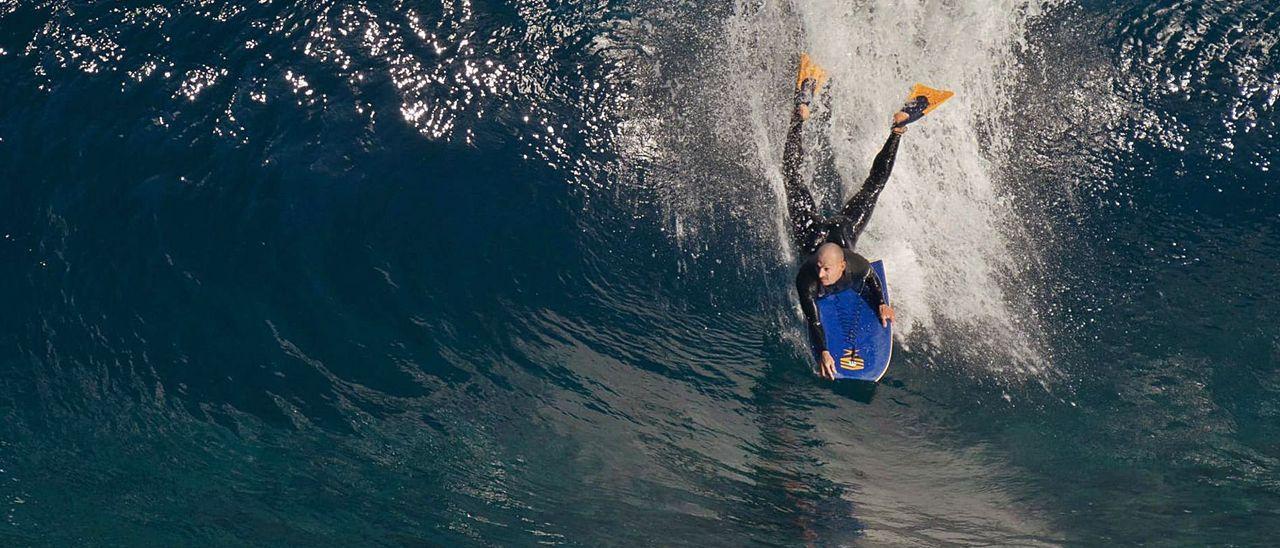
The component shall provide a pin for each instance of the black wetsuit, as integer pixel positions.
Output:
(810, 230)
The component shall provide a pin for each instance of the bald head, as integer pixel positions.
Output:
(830, 263)
(830, 252)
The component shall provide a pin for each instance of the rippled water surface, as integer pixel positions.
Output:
(457, 272)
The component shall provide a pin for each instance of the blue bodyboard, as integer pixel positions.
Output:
(856, 340)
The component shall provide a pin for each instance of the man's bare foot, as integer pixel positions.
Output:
(805, 95)
(898, 118)
(809, 81)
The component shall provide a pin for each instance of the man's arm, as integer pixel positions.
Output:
(876, 298)
(807, 287)
(876, 294)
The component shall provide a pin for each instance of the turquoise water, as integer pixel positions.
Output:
(470, 273)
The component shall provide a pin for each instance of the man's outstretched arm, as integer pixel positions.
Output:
(876, 298)
(807, 287)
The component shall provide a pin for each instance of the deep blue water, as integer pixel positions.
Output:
(439, 273)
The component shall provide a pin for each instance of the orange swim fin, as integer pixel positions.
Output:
(921, 101)
(810, 71)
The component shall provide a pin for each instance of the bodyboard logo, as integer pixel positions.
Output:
(851, 360)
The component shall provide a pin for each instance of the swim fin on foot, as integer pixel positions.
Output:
(921, 101)
(809, 80)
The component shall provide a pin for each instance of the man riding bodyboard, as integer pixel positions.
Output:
(831, 267)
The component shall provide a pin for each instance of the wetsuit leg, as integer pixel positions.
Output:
(858, 209)
(805, 221)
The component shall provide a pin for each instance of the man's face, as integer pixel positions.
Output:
(830, 270)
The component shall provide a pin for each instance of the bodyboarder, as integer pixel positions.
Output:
(827, 243)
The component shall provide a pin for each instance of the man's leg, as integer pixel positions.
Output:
(803, 211)
(858, 209)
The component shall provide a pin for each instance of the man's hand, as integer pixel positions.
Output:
(828, 366)
(886, 315)
(898, 118)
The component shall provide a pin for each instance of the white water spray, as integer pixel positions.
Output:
(944, 225)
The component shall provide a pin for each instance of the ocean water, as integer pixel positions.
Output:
(514, 273)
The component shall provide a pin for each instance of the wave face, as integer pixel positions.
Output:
(475, 273)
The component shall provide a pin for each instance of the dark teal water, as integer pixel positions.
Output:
(423, 273)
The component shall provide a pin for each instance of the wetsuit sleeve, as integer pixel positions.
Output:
(807, 287)
(876, 294)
